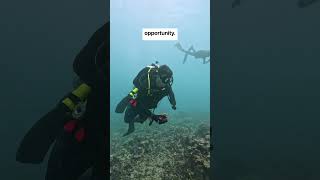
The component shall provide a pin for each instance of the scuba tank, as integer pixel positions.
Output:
(130, 98)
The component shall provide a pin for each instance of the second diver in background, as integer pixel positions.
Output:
(200, 54)
(150, 85)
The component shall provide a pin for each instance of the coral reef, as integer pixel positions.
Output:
(169, 151)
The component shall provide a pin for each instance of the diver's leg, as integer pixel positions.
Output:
(185, 58)
(189, 52)
(191, 49)
(141, 118)
(129, 117)
(178, 45)
(68, 159)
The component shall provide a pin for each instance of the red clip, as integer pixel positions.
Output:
(70, 126)
(133, 102)
(79, 135)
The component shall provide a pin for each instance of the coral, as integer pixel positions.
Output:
(177, 150)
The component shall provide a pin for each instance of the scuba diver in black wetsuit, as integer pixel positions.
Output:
(201, 54)
(151, 85)
(77, 126)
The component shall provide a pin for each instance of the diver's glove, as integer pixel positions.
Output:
(174, 107)
(161, 119)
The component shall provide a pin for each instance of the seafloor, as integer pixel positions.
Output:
(179, 149)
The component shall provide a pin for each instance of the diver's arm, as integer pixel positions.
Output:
(171, 97)
(146, 112)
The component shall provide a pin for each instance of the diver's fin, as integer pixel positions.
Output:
(130, 129)
(36, 143)
(204, 61)
(179, 47)
(121, 107)
(185, 58)
(191, 49)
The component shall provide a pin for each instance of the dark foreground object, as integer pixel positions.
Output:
(306, 3)
(70, 159)
(236, 3)
(76, 150)
(37, 141)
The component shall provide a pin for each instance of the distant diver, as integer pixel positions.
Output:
(201, 54)
(150, 85)
(236, 3)
(306, 3)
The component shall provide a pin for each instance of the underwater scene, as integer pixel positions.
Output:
(160, 91)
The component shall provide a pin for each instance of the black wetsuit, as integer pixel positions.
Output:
(146, 101)
(69, 158)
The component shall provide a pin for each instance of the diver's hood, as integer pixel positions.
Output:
(166, 74)
(165, 70)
